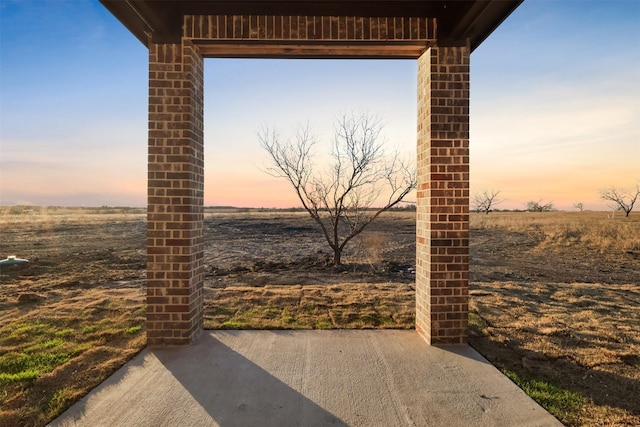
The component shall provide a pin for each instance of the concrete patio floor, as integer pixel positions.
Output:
(308, 378)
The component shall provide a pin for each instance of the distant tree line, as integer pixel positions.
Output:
(621, 199)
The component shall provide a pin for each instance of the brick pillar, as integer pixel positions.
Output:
(442, 229)
(175, 227)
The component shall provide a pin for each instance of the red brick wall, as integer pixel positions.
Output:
(176, 169)
(442, 232)
(261, 27)
(175, 231)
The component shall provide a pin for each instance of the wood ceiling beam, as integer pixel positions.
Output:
(314, 50)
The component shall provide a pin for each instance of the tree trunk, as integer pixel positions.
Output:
(337, 256)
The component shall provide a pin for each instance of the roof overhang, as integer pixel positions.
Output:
(459, 22)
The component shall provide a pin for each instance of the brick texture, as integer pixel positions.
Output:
(175, 224)
(175, 227)
(442, 231)
(287, 27)
(293, 36)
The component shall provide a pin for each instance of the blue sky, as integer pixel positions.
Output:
(555, 107)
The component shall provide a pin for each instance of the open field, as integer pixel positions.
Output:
(555, 298)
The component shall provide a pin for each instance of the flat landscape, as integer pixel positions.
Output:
(555, 298)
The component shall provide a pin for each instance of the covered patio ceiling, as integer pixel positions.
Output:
(457, 21)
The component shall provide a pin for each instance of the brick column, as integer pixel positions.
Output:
(442, 229)
(175, 238)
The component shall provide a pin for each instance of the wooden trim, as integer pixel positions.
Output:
(311, 50)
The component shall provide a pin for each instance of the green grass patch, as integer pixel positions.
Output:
(56, 342)
(299, 317)
(89, 329)
(141, 311)
(477, 324)
(288, 319)
(220, 311)
(37, 348)
(25, 331)
(313, 307)
(20, 366)
(564, 404)
(26, 375)
(323, 325)
(59, 401)
(133, 330)
(271, 312)
(234, 325)
(64, 332)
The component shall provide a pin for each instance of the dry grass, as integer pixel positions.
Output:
(72, 316)
(369, 248)
(550, 327)
(555, 230)
(65, 327)
(46, 218)
(52, 354)
(350, 306)
(579, 337)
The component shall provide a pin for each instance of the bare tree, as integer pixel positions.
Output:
(623, 200)
(539, 206)
(579, 206)
(340, 197)
(486, 201)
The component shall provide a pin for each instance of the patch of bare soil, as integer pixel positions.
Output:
(257, 250)
(566, 313)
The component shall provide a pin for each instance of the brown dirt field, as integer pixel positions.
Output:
(554, 296)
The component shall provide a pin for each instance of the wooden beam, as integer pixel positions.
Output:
(314, 50)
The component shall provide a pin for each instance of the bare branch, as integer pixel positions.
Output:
(539, 206)
(486, 200)
(623, 200)
(341, 199)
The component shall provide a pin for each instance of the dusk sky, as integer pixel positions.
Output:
(555, 107)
